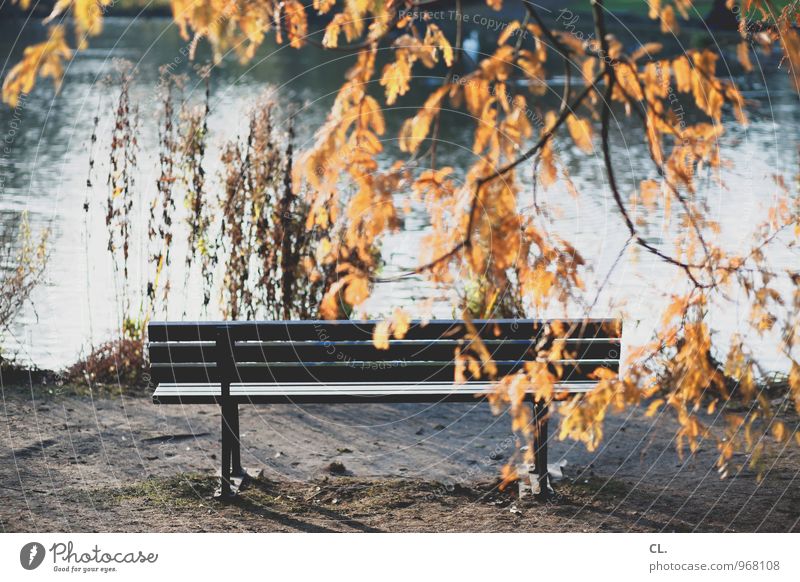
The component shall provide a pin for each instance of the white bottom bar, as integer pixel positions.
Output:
(403, 557)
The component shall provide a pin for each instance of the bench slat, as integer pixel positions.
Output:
(350, 372)
(363, 330)
(273, 393)
(264, 352)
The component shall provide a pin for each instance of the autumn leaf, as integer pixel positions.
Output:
(396, 77)
(653, 407)
(794, 384)
(416, 129)
(435, 38)
(581, 132)
(669, 24)
(510, 29)
(380, 336)
(332, 32)
(779, 432)
(296, 22)
(45, 59)
(682, 70)
(323, 6)
(357, 289)
(88, 18)
(647, 49)
(400, 323)
(396, 326)
(330, 305)
(374, 115)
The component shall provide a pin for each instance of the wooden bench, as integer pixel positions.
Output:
(267, 362)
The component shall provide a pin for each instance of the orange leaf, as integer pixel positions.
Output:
(380, 337)
(581, 132)
(654, 406)
(45, 59)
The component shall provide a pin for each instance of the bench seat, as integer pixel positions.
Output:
(339, 392)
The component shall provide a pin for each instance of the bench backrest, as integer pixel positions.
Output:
(343, 351)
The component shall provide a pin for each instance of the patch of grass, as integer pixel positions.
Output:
(195, 490)
(348, 497)
(186, 490)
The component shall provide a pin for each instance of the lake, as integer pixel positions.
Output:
(45, 169)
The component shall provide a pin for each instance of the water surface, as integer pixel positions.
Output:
(45, 170)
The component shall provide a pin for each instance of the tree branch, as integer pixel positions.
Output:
(499, 172)
(605, 118)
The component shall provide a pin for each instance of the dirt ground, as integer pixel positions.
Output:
(92, 462)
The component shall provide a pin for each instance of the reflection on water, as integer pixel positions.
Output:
(45, 169)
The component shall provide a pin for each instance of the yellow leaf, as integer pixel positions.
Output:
(581, 132)
(372, 110)
(45, 59)
(416, 129)
(400, 323)
(396, 77)
(655, 8)
(669, 24)
(476, 91)
(508, 31)
(683, 74)
(650, 191)
(329, 306)
(357, 289)
(380, 337)
(434, 37)
(646, 49)
(331, 38)
(295, 22)
(324, 6)
(794, 380)
(779, 431)
(88, 18)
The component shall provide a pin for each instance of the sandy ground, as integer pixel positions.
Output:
(120, 463)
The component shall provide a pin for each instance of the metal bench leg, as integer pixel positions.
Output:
(236, 448)
(540, 417)
(227, 450)
(233, 477)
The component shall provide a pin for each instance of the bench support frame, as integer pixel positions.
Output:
(232, 476)
(541, 415)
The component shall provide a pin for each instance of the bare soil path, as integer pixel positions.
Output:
(120, 463)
